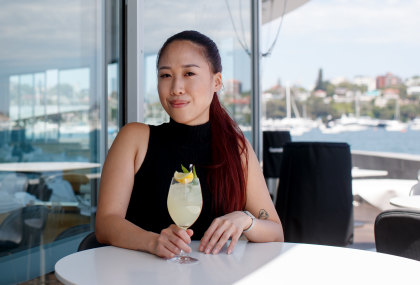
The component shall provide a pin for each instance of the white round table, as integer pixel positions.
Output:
(251, 263)
(363, 173)
(412, 202)
(378, 192)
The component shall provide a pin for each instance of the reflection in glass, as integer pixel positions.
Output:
(51, 68)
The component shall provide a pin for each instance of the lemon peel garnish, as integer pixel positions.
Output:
(183, 178)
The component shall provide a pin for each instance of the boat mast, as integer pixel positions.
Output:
(288, 106)
(397, 109)
(357, 103)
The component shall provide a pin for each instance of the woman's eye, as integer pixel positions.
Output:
(189, 74)
(165, 75)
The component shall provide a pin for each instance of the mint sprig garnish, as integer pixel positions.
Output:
(185, 170)
(195, 173)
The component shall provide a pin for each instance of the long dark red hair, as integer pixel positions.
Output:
(228, 172)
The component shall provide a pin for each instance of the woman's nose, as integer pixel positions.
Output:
(177, 86)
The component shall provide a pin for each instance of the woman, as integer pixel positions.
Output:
(132, 211)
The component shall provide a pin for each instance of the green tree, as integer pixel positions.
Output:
(329, 88)
(319, 82)
(317, 108)
(409, 112)
(339, 109)
(384, 113)
(402, 90)
(275, 109)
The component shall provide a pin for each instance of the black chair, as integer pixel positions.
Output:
(40, 190)
(34, 221)
(89, 242)
(11, 231)
(314, 200)
(273, 142)
(397, 232)
(22, 229)
(72, 231)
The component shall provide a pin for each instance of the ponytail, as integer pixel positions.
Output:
(230, 161)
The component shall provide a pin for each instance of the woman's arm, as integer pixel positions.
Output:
(123, 161)
(267, 226)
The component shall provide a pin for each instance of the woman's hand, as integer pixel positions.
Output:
(221, 229)
(171, 241)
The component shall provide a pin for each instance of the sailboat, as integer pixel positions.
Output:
(346, 124)
(349, 123)
(295, 125)
(415, 124)
(396, 125)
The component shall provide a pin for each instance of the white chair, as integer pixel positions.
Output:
(62, 190)
(13, 183)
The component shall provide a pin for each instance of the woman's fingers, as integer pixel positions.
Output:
(209, 234)
(221, 230)
(182, 234)
(171, 241)
(190, 232)
(222, 241)
(165, 248)
(180, 244)
(218, 234)
(180, 238)
(215, 239)
(185, 239)
(233, 243)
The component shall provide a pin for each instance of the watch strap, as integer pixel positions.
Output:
(252, 223)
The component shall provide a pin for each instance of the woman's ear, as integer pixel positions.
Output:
(217, 79)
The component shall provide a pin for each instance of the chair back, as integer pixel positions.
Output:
(23, 228)
(11, 230)
(273, 142)
(76, 180)
(415, 190)
(314, 199)
(89, 242)
(72, 231)
(397, 232)
(34, 221)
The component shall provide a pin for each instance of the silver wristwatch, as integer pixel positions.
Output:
(252, 223)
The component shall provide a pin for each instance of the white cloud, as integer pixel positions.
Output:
(373, 21)
(346, 38)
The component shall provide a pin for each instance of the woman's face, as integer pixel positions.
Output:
(186, 83)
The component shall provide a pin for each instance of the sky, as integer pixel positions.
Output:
(345, 38)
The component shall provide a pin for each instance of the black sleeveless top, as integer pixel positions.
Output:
(170, 145)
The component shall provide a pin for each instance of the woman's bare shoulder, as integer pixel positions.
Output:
(132, 140)
(136, 127)
(134, 133)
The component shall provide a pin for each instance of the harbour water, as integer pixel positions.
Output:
(372, 139)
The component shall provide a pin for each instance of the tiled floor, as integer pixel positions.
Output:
(48, 279)
(364, 217)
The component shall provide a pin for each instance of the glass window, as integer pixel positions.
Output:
(228, 24)
(348, 71)
(57, 80)
(333, 78)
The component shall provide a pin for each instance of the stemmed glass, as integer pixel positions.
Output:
(184, 205)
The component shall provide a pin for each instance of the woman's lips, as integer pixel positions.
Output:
(179, 103)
